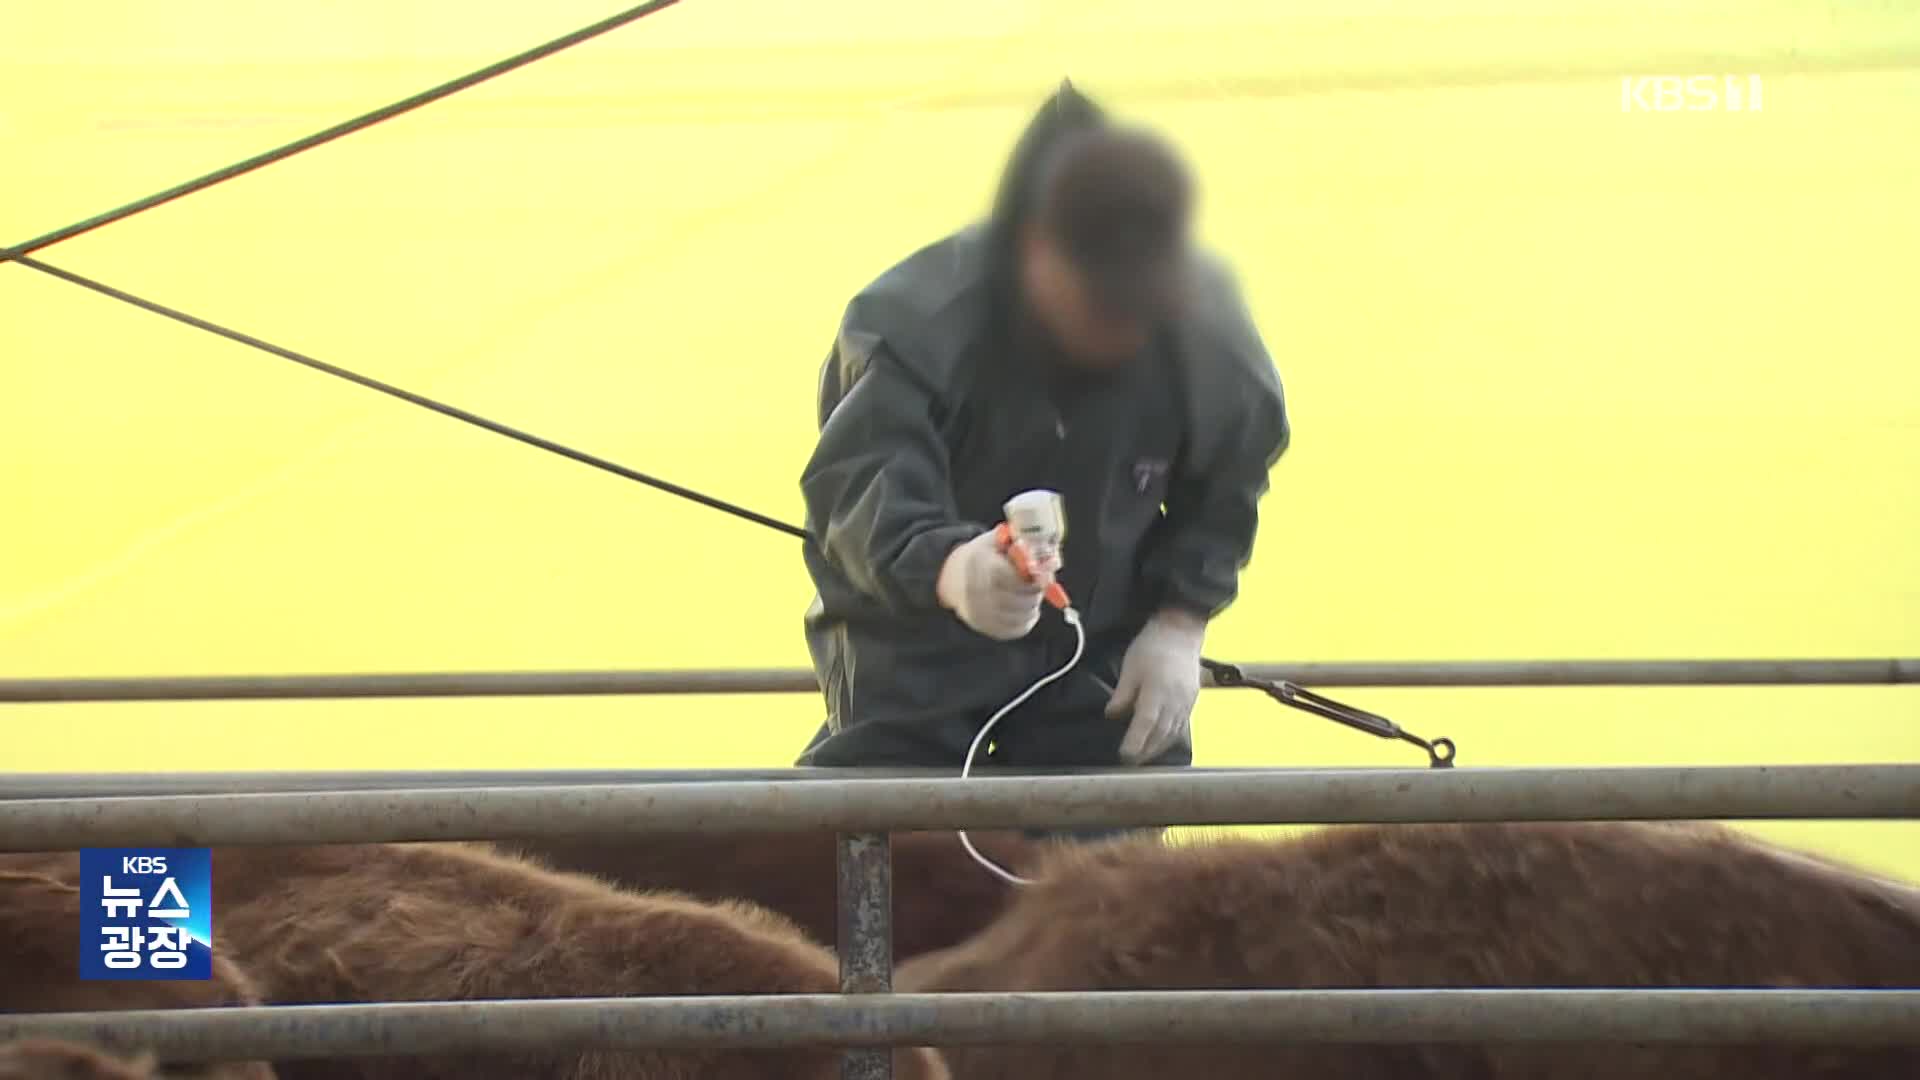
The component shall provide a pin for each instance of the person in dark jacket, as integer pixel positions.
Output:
(1075, 342)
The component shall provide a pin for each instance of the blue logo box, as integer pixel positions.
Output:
(146, 913)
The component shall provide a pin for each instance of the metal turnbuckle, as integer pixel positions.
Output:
(1440, 752)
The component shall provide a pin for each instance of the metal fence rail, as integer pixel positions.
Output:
(1876, 671)
(856, 806)
(1831, 1017)
(53, 785)
(865, 1017)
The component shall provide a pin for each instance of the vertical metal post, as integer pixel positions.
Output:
(865, 863)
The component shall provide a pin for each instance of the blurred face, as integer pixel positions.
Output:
(1059, 297)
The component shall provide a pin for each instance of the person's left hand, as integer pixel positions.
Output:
(1159, 681)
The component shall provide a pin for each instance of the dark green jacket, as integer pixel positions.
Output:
(930, 420)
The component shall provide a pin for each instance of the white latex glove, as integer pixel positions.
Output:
(1159, 682)
(979, 583)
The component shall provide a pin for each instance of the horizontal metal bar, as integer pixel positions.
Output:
(797, 680)
(1194, 1017)
(410, 685)
(54, 785)
(1343, 796)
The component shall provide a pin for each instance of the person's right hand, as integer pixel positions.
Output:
(979, 583)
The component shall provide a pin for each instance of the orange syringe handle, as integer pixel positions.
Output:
(1056, 593)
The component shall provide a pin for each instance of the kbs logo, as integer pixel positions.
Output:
(146, 913)
(1690, 93)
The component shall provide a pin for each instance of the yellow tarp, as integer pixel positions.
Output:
(1567, 381)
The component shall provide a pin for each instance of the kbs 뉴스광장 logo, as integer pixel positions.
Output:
(146, 913)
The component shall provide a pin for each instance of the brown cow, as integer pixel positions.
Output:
(418, 922)
(941, 897)
(48, 1059)
(39, 962)
(1587, 905)
(425, 922)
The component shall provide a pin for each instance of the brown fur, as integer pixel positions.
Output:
(1588, 905)
(940, 896)
(39, 947)
(422, 922)
(52, 1059)
(45, 1059)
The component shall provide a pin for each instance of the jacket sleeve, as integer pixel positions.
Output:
(878, 490)
(1212, 505)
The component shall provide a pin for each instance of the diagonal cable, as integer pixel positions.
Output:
(1226, 674)
(21, 253)
(358, 123)
(412, 398)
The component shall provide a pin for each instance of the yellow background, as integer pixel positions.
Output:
(1566, 381)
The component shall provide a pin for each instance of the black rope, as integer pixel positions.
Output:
(1440, 751)
(410, 397)
(358, 123)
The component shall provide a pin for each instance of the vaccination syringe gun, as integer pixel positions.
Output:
(1031, 534)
